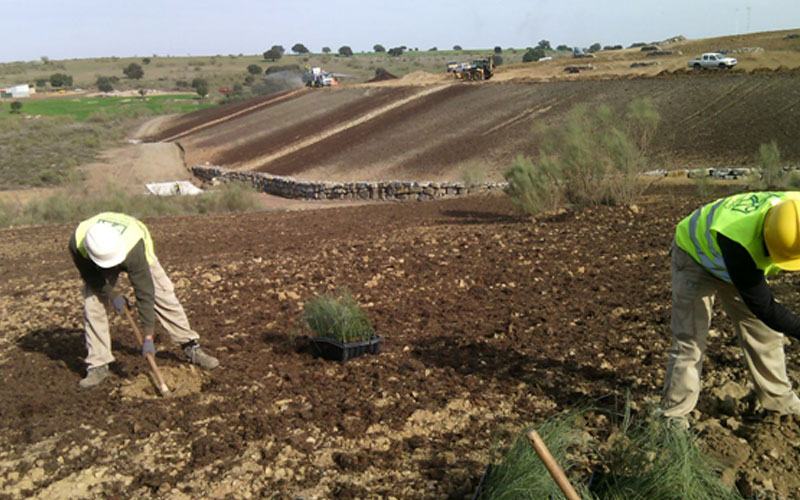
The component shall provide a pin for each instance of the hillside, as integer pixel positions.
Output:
(429, 126)
(392, 130)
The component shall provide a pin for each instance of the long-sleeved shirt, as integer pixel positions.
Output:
(749, 280)
(101, 280)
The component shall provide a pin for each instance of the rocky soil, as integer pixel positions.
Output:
(491, 322)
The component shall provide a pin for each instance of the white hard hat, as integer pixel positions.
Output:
(104, 245)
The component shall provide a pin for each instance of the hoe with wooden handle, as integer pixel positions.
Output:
(162, 386)
(552, 466)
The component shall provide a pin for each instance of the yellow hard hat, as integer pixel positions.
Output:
(782, 234)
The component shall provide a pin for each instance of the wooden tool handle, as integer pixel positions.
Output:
(552, 466)
(162, 386)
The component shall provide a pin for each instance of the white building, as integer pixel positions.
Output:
(23, 90)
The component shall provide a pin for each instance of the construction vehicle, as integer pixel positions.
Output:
(317, 77)
(482, 69)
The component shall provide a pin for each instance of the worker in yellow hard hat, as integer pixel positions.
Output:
(727, 248)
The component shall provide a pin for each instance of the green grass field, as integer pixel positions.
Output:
(81, 108)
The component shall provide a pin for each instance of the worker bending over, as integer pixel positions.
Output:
(102, 247)
(727, 248)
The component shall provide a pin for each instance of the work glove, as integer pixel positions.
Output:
(148, 347)
(120, 301)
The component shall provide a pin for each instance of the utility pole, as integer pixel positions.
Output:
(748, 19)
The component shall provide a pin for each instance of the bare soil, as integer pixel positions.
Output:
(491, 322)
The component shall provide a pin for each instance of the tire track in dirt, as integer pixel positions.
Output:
(352, 137)
(223, 114)
(261, 162)
(728, 104)
(531, 113)
(271, 143)
(709, 105)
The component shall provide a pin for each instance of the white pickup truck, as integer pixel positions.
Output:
(712, 60)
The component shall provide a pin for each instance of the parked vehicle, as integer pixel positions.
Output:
(713, 60)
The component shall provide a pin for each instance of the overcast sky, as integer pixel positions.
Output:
(30, 29)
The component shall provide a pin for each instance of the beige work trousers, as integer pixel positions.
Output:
(167, 308)
(693, 290)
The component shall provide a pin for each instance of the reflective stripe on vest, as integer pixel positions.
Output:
(715, 264)
(131, 229)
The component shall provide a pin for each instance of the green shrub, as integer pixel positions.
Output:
(72, 205)
(474, 174)
(532, 190)
(772, 175)
(337, 316)
(593, 158)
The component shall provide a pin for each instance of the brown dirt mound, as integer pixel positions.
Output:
(382, 76)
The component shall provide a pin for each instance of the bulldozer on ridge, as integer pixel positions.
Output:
(482, 69)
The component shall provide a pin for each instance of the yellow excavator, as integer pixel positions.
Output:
(481, 69)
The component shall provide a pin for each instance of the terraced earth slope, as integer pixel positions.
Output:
(425, 126)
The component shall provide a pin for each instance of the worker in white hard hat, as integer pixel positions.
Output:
(727, 248)
(102, 247)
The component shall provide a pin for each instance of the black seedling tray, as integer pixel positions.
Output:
(333, 350)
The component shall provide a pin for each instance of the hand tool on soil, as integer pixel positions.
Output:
(552, 466)
(162, 386)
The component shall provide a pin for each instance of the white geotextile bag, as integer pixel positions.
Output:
(173, 188)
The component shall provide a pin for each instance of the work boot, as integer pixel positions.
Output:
(94, 375)
(196, 356)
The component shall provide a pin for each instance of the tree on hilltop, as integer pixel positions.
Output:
(133, 71)
(202, 89)
(272, 55)
(396, 51)
(544, 45)
(457, 47)
(594, 47)
(326, 50)
(345, 51)
(378, 48)
(533, 55)
(104, 84)
(299, 48)
(60, 80)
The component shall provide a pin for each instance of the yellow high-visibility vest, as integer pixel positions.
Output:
(740, 218)
(131, 229)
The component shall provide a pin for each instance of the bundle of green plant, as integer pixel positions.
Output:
(648, 459)
(522, 475)
(337, 316)
(73, 205)
(593, 158)
(653, 459)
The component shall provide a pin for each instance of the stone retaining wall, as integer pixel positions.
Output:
(289, 187)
